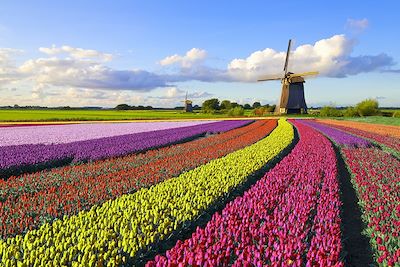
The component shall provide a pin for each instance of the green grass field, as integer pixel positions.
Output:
(375, 119)
(115, 115)
(94, 115)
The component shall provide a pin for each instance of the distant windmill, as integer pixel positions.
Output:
(188, 104)
(292, 97)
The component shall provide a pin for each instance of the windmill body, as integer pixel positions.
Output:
(188, 105)
(292, 99)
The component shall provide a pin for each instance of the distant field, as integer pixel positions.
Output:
(375, 119)
(94, 115)
(115, 115)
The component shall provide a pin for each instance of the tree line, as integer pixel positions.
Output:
(367, 107)
(213, 105)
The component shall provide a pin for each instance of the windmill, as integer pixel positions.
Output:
(188, 104)
(292, 96)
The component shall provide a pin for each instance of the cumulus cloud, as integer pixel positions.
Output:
(357, 25)
(179, 94)
(74, 67)
(199, 73)
(88, 74)
(331, 57)
(8, 70)
(86, 69)
(75, 52)
(192, 57)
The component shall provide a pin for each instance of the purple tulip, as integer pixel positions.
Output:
(67, 133)
(338, 136)
(22, 156)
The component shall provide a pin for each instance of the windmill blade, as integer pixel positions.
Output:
(285, 68)
(269, 78)
(309, 73)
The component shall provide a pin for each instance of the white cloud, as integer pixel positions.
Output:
(179, 94)
(331, 57)
(80, 69)
(9, 72)
(357, 25)
(192, 57)
(173, 92)
(88, 74)
(75, 52)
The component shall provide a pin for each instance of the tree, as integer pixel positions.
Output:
(247, 106)
(328, 111)
(256, 104)
(210, 105)
(270, 108)
(226, 104)
(367, 107)
(234, 105)
(236, 111)
(123, 107)
(350, 112)
(260, 111)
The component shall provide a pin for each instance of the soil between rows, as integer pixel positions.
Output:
(356, 250)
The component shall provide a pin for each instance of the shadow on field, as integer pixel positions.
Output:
(356, 247)
(186, 230)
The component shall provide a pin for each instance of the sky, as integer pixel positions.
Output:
(104, 53)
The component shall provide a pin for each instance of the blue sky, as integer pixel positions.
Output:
(136, 52)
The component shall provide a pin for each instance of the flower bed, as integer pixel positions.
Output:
(47, 134)
(117, 229)
(387, 130)
(339, 137)
(30, 200)
(375, 176)
(18, 159)
(388, 141)
(289, 218)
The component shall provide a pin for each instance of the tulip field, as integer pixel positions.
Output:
(265, 192)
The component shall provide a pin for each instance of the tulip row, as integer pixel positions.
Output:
(16, 159)
(270, 225)
(30, 200)
(339, 137)
(386, 130)
(35, 182)
(67, 133)
(391, 142)
(119, 228)
(375, 176)
(377, 183)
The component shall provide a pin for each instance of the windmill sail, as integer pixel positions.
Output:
(285, 68)
(309, 73)
(269, 78)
